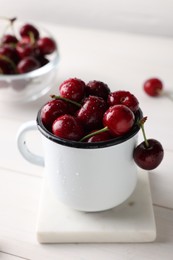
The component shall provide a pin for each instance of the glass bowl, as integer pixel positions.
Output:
(30, 86)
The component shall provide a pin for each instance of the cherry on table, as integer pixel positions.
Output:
(153, 87)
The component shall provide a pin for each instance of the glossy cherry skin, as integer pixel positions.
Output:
(43, 60)
(24, 49)
(52, 110)
(73, 89)
(9, 39)
(125, 98)
(10, 52)
(104, 136)
(119, 119)
(97, 88)
(6, 68)
(27, 64)
(68, 127)
(26, 29)
(148, 158)
(91, 113)
(153, 87)
(46, 45)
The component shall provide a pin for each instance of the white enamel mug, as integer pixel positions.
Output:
(88, 177)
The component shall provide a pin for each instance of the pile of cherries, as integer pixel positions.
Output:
(26, 52)
(92, 113)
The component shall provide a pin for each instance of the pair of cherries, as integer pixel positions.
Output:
(92, 113)
(26, 52)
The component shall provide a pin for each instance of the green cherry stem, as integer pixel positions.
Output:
(67, 100)
(3, 57)
(105, 129)
(32, 38)
(9, 25)
(141, 125)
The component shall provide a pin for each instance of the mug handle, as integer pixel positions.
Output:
(22, 146)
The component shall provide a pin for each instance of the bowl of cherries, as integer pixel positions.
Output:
(29, 59)
(91, 116)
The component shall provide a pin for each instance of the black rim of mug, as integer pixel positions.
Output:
(85, 145)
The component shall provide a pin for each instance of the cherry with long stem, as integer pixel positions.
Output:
(154, 87)
(67, 100)
(148, 154)
(105, 129)
(141, 125)
(9, 25)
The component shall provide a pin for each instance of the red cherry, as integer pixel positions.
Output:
(43, 60)
(24, 49)
(97, 88)
(28, 64)
(73, 89)
(119, 119)
(125, 98)
(9, 39)
(51, 110)
(148, 157)
(91, 113)
(153, 87)
(25, 40)
(10, 52)
(101, 137)
(67, 127)
(6, 67)
(46, 45)
(28, 29)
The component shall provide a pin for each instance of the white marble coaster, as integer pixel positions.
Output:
(132, 221)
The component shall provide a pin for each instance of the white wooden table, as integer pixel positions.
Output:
(123, 61)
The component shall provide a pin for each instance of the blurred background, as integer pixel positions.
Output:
(147, 17)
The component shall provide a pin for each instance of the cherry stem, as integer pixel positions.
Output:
(11, 20)
(5, 58)
(141, 125)
(32, 38)
(105, 129)
(67, 100)
(10, 24)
